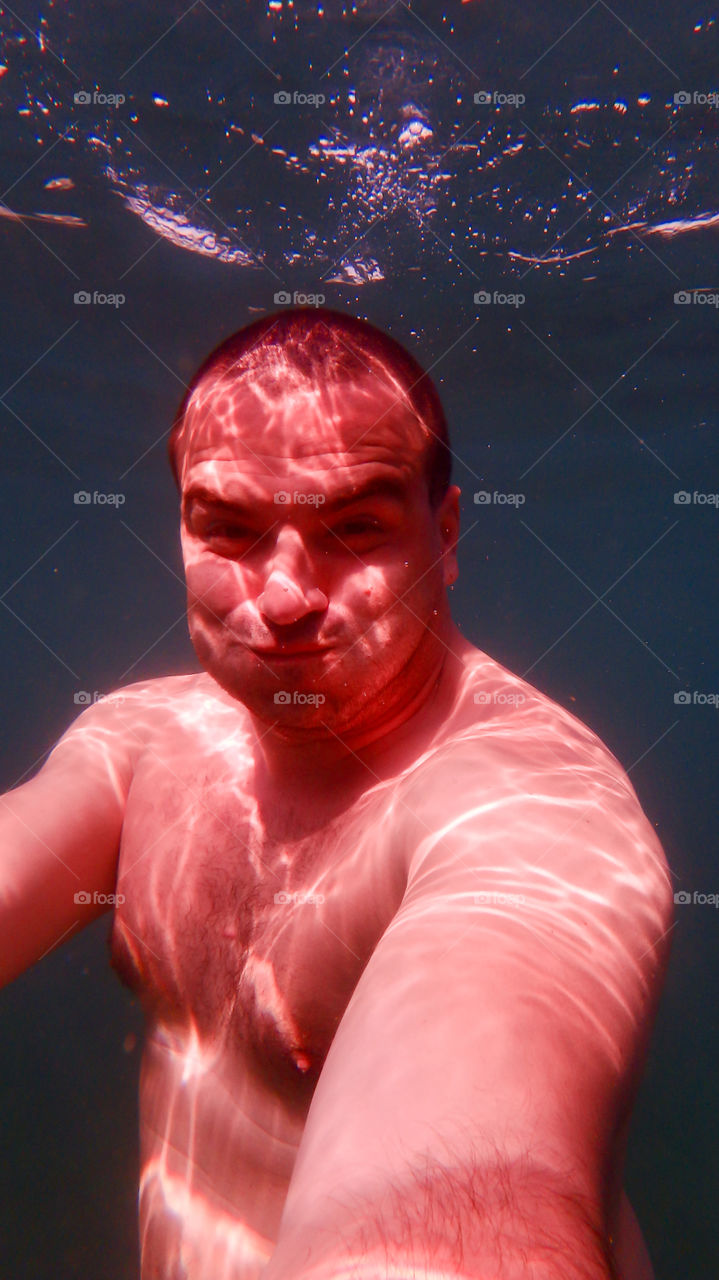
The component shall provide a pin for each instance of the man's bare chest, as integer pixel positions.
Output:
(250, 944)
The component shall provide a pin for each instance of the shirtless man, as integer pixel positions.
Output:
(396, 919)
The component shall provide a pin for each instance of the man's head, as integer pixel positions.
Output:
(312, 457)
(317, 345)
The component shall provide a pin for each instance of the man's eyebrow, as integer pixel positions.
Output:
(380, 488)
(200, 493)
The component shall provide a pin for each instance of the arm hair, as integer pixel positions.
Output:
(462, 1219)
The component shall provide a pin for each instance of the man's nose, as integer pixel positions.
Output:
(290, 590)
(285, 600)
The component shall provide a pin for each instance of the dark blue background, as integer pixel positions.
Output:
(94, 597)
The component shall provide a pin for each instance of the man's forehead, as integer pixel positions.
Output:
(236, 482)
(319, 424)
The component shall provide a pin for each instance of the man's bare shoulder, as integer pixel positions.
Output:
(518, 783)
(148, 711)
(505, 737)
(496, 706)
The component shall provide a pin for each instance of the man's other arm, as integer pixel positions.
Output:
(470, 1114)
(60, 837)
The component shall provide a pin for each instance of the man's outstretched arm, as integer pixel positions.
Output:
(60, 837)
(469, 1117)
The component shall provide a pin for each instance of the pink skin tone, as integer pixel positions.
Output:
(361, 581)
(330, 989)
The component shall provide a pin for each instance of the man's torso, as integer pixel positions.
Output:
(245, 948)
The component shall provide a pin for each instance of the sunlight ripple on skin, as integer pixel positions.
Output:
(411, 904)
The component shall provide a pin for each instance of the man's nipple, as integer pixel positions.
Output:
(302, 1060)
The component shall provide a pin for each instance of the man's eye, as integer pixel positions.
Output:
(350, 527)
(229, 538)
(227, 531)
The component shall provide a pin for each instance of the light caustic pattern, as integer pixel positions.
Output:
(412, 892)
(398, 164)
(508, 864)
(299, 942)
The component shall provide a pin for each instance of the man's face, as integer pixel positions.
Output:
(316, 567)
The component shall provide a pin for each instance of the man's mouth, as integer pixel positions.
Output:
(285, 652)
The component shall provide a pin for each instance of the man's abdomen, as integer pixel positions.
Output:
(216, 1152)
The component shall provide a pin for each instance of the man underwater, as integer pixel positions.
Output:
(397, 921)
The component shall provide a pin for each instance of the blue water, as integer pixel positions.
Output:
(398, 198)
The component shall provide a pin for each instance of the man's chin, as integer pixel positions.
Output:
(315, 706)
(294, 708)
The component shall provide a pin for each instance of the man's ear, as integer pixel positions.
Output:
(448, 521)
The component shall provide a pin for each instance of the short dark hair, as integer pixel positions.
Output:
(319, 342)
